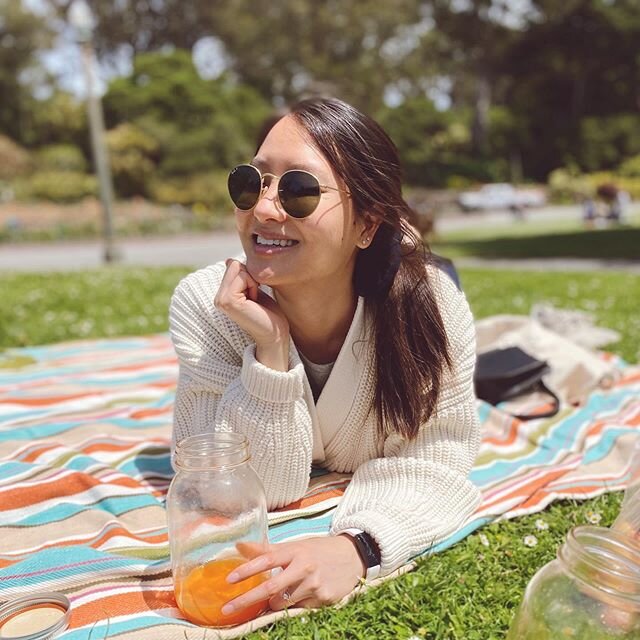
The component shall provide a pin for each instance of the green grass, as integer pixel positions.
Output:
(466, 593)
(542, 240)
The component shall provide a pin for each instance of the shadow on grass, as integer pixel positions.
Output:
(619, 243)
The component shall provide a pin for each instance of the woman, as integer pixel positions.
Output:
(331, 343)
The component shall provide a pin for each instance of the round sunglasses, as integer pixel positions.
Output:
(298, 191)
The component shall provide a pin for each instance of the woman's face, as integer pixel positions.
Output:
(324, 244)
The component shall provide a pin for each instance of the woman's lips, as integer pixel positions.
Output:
(268, 246)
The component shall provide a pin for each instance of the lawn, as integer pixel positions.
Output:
(542, 239)
(466, 593)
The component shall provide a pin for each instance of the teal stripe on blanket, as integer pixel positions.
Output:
(560, 439)
(139, 623)
(115, 505)
(75, 562)
(43, 431)
(314, 525)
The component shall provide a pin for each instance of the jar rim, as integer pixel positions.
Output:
(215, 450)
(604, 559)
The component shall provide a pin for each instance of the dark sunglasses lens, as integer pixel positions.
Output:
(299, 193)
(244, 186)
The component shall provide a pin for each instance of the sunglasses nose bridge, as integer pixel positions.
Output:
(268, 205)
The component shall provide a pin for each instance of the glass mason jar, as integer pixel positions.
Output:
(215, 501)
(591, 591)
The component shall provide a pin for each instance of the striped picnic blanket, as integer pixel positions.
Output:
(84, 469)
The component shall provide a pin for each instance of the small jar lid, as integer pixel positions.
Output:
(38, 616)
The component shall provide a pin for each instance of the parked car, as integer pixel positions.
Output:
(501, 195)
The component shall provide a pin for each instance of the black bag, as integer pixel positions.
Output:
(505, 373)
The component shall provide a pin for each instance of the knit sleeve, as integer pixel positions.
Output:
(419, 492)
(222, 387)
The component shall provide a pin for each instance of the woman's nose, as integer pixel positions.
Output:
(268, 206)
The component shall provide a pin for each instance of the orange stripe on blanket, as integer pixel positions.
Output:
(124, 446)
(57, 488)
(149, 413)
(574, 491)
(528, 489)
(36, 452)
(41, 402)
(321, 496)
(143, 366)
(628, 379)
(121, 604)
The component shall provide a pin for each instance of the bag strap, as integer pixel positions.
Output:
(547, 414)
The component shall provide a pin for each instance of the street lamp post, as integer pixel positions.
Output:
(82, 20)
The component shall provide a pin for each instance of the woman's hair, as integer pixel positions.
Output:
(411, 347)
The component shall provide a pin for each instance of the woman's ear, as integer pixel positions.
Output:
(368, 231)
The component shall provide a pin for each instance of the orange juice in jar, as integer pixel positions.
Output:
(215, 502)
(205, 590)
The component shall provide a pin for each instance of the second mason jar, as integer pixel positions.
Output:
(215, 501)
(591, 591)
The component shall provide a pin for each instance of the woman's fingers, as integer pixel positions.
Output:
(236, 280)
(290, 597)
(250, 550)
(259, 563)
(276, 585)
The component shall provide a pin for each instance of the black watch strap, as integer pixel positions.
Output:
(368, 551)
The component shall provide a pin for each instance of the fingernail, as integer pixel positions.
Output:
(228, 609)
(233, 577)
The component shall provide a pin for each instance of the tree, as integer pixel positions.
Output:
(144, 25)
(579, 60)
(22, 35)
(292, 48)
(477, 36)
(199, 124)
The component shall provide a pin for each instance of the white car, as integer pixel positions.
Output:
(501, 195)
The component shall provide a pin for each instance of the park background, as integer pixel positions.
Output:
(532, 92)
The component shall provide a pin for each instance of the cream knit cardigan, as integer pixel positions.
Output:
(408, 495)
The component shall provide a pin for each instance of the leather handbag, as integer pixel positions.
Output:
(502, 374)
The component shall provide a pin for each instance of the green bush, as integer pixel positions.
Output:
(59, 186)
(200, 124)
(567, 185)
(61, 157)
(60, 119)
(630, 168)
(132, 154)
(436, 145)
(14, 160)
(204, 192)
(606, 141)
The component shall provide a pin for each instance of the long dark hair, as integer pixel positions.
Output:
(411, 346)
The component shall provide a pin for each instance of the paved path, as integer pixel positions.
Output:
(188, 250)
(197, 250)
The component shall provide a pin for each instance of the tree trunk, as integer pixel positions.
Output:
(481, 104)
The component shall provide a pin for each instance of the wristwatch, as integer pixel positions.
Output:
(368, 551)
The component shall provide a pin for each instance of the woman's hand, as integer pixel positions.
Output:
(316, 572)
(240, 298)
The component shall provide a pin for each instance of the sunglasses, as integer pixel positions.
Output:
(298, 191)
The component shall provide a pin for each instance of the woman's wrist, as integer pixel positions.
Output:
(357, 560)
(274, 355)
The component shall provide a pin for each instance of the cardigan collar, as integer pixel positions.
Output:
(339, 392)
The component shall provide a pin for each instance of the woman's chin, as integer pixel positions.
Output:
(262, 274)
